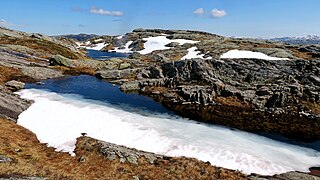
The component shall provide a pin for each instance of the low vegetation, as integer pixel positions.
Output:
(48, 48)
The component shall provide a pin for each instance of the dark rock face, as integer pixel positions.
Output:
(271, 84)
(249, 94)
(137, 45)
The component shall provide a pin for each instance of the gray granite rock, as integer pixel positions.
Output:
(14, 85)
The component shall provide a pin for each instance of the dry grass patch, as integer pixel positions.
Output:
(314, 107)
(232, 102)
(8, 74)
(41, 45)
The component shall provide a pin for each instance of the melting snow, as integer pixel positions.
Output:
(97, 47)
(159, 42)
(88, 45)
(153, 44)
(239, 54)
(126, 48)
(59, 119)
(120, 37)
(193, 53)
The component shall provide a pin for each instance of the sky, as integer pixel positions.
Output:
(241, 18)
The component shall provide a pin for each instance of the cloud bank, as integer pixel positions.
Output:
(216, 13)
(95, 10)
(199, 11)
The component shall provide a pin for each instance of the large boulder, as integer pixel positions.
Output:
(59, 60)
(130, 86)
(124, 65)
(15, 85)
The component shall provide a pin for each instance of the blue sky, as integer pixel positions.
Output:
(250, 18)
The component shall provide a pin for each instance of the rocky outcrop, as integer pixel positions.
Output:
(266, 84)
(124, 154)
(14, 85)
(40, 73)
(117, 74)
(43, 45)
(11, 105)
(250, 94)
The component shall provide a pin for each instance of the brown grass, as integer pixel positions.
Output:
(41, 45)
(232, 102)
(8, 74)
(30, 158)
(302, 55)
(314, 107)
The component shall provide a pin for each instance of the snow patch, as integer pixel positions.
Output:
(97, 40)
(126, 48)
(193, 53)
(97, 47)
(240, 54)
(59, 119)
(89, 45)
(120, 37)
(78, 44)
(159, 42)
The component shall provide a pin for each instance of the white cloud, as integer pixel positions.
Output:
(95, 10)
(199, 11)
(6, 23)
(216, 13)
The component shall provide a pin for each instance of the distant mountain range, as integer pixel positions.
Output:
(310, 39)
(78, 37)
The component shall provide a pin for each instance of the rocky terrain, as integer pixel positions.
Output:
(279, 97)
(273, 96)
(210, 45)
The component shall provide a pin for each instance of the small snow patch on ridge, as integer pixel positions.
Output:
(193, 53)
(120, 37)
(240, 54)
(97, 47)
(126, 48)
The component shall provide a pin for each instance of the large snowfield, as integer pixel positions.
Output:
(58, 119)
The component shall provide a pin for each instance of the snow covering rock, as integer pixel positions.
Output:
(240, 54)
(193, 53)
